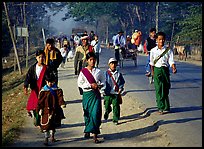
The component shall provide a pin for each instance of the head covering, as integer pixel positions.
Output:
(112, 60)
(84, 36)
(136, 30)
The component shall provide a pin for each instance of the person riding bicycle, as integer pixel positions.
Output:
(119, 44)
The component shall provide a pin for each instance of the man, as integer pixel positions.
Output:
(80, 54)
(150, 43)
(97, 48)
(119, 43)
(53, 57)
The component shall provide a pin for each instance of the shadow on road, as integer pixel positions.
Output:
(148, 129)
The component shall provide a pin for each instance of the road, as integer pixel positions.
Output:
(140, 125)
(184, 123)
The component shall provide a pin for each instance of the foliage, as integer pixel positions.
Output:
(191, 31)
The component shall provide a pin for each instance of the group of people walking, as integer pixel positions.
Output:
(46, 98)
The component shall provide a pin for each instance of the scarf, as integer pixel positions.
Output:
(49, 55)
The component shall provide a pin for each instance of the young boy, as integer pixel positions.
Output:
(160, 63)
(150, 43)
(35, 78)
(50, 106)
(113, 90)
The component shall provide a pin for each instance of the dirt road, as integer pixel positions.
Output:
(137, 127)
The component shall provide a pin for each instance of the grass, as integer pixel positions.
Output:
(13, 106)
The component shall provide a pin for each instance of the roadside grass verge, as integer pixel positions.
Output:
(13, 106)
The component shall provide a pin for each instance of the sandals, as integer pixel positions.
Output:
(97, 141)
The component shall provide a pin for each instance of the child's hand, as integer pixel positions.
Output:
(30, 114)
(25, 90)
(174, 70)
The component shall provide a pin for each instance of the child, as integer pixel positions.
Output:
(35, 78)
(161, 58)
(50, 106)
(113, 90)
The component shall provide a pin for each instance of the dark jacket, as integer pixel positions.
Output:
(150, 43)
(54, 64)
(31, 78)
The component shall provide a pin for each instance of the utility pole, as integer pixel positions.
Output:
(12, 38)
(107, 34)
(172, 34)
(157, 16)
(26, 36)
(43, 33)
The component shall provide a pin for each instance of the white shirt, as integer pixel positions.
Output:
(63, 52)
(119, 40)
(77, 39)
(96, 46)
(166, 60)
(84, 83)
(38, 70)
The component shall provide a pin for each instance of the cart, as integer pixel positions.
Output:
(128, 55)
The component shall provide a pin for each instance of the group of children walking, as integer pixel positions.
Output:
(46, 98)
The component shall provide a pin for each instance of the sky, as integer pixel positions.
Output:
(62, 26)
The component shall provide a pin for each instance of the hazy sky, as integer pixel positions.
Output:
(62, 26)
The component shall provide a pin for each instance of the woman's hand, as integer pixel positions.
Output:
(94, 86)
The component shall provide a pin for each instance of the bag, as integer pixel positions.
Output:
(140, 48)
(70, 54)
(120, 99)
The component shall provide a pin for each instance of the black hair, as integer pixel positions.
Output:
(50, 41)
(39, 52)
(161, 34)
(65, 46)
(90, 54)
(50, 77)
(152, 30)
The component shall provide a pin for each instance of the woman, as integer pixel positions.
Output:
(91, 79)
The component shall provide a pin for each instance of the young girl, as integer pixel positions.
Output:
(35, 78)
(50, 106)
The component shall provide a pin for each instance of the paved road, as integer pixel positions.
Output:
(184, 124)
(140, 125)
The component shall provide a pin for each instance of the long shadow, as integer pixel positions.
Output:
(148, 111)
(71, 125)
(135, 132)
(148, 129)
(185, 109)
(73, 101)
